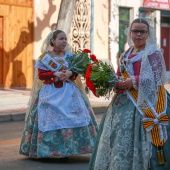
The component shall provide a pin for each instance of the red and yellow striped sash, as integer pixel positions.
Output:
(152, 122)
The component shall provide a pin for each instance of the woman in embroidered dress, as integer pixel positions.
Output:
(134, 134)
(59, 121)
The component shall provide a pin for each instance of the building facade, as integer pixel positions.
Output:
(97, 25)
(124, 11)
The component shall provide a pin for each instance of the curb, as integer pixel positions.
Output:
(12, 117)
(21, 116)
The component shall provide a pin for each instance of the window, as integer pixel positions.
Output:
(123, 24)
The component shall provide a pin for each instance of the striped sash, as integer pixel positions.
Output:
(154, 120)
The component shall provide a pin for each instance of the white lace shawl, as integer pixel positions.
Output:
(152, 72)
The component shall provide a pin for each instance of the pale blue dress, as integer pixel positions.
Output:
(61, 122)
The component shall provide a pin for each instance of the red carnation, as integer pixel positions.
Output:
(89, 83)
(93, 57)
(86, 51)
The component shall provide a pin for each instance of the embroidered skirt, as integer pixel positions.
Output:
(122, 143)
(56, 143)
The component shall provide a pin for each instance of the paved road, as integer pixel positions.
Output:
(11, 160)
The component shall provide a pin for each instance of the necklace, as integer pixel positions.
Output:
(135, 51)
(56, 52)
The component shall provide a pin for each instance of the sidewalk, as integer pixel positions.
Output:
(13, 104)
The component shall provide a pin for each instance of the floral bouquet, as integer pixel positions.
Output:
(100, 77)
(80, 61)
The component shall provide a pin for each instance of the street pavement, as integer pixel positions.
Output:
(13, 104)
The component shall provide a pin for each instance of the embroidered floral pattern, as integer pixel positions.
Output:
(123, 144)
(56, 143)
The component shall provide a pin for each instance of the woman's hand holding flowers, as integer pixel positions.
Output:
(125, 84)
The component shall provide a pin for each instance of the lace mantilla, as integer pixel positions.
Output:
(153, 70)
(46, 43)
(152, 75)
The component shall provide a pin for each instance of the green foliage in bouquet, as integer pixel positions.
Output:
(100, 77)
(80, 61)
(104, 78)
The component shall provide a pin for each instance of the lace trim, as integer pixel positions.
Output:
(153, 70)
(117, 149)
(134, 83)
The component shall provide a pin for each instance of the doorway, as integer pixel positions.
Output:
(165, 38)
